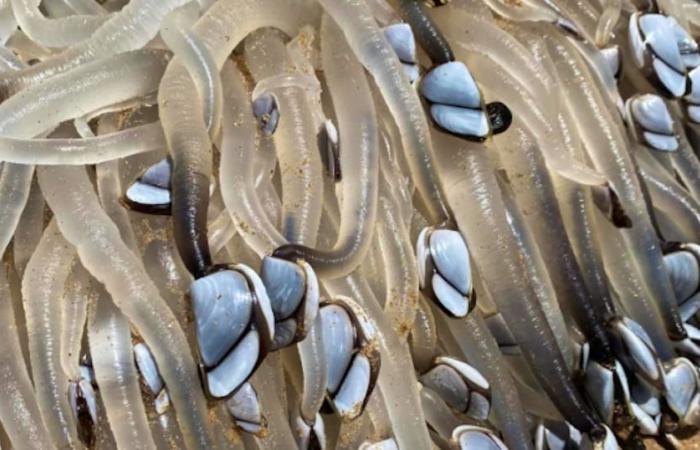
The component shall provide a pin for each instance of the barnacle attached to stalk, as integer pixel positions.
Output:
(655, 125)
(683, 391)
(551, 435)
(635, 350)
(400, 37)
(683, 266)
(652, 122)
(266, 112)
(466, 437)
(293, 290)
(456, 103)
(444, 270)
(309, 436)
(150, 193)
(234, 325)
(148, 369)
(460, 386)
(83, 402)
(352, 355)
(244, 407)
(664, 50)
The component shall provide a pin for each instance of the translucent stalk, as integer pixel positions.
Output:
(675, 202)
(424, 337)
(612, 10)
(238, 142)
(29, 228)
(583, 16)
(539, 278)
(481, 350)
(360, 162)
(110, 190)
(374, 52)
(69, 194)
(86, 7)
(8, 23)
(577, 212)
(76, 296)
(396, 377)
(520, 12)
(19, 412)
(165, 268)
(280, 435)
(437, 413)
(221, 230)
(222, 28)
(46, 274)
(132, 28)
(533, 190)
(54, 33)
(109, 337)
(122, 395)
(189, 48)
(505, 50)
(57, 8)
(400, 267)
(480, 216)
(71, 151)
(64, 97)
(687, 165)
(295, 139)
(602, 134)
(314, 376)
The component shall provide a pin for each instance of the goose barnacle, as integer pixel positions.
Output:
(148, 369)
(551, 435)
(655, 46)
(83, 403)
(293, 290)
(267, 112)
(444, 270)
(352, 356)
(329, 145)
(461, 386)
(150, 193)
(636, 351)
(234, 327)
(471, 437)
(456, 103)
(683, 390)
(599, 384)
(400, 37)
(651, 119)
(683, 267)
(309, 436)
(684, 270)
(244, 407)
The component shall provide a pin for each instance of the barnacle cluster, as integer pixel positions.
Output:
(349, 224)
